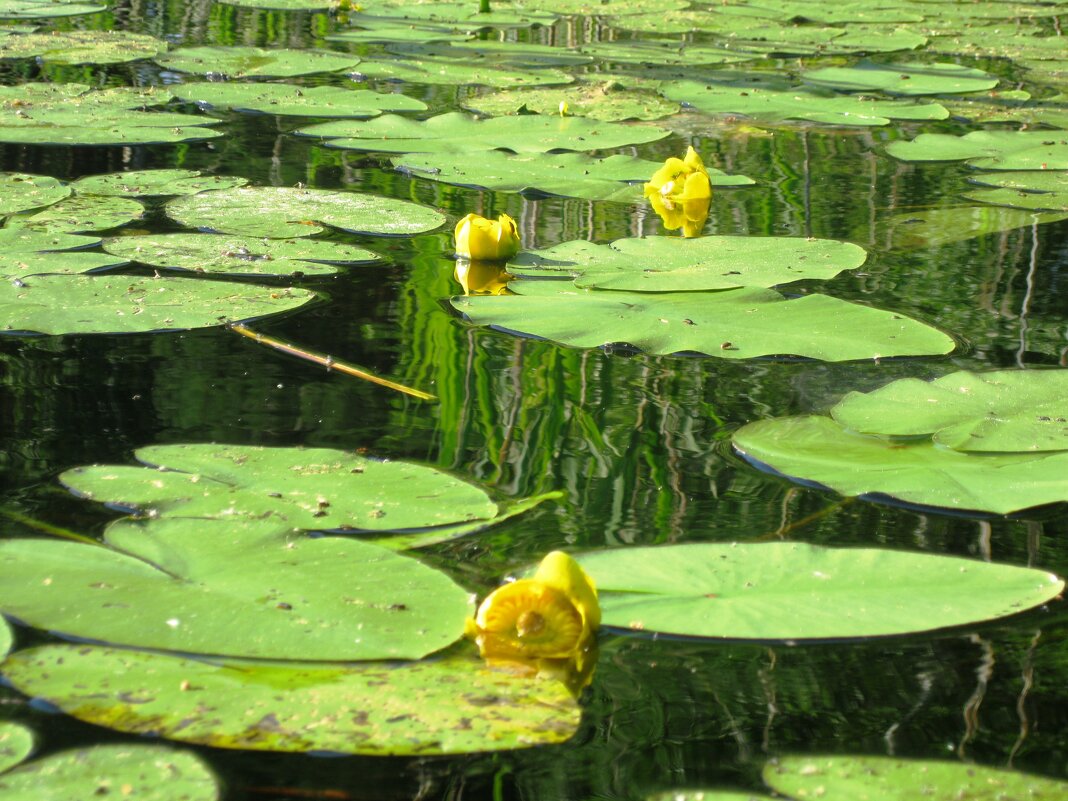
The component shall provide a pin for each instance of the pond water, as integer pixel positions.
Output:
(637, 444)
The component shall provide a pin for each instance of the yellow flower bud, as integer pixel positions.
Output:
(479, 238)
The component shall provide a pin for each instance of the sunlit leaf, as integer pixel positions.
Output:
(154, 183)
(296, 101)
(451, 705)
(934, 227)
(603, 101)
(817, 449)
(296, 597)
(653, 52)
(245, 62)
(82, 47)
(461, 15)
(280, 212)
(851, 778)
(1014, 106)
(16, 741)
(904, 78)
(20, 192)
(124, 304)
(455, 72)
(80, 213)
(992, 150)
(34, 9)
(733, 324)
(825, 13)
(456, 132)
(285, 5)
(795, 591)
(1035, 201)
(604, 7)
(7, 641)
(386, 31)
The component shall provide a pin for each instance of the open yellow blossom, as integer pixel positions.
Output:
(479, 238)
(681, 193)
(552, 615)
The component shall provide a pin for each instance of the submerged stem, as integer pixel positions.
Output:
(47, 528)
(483, 7)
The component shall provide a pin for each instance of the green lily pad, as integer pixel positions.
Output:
(323, 598)
(455, 72)
(280, 212)
(238, 255)
(606, 101)
(1003, 411)
(74, 114)
(795, 591)
(80, 213)
(1026, 180)
(733, 324)
(908, 79)
(7, 642)
(674, 264)
(456, 132)
(852, 778)
(451, 705)
(136, 772)
(1014, 106)
(24, 252)
(246, 62)
(86, 304)
(1036, 201)
(616, 177)
(314, 488)
(706, 795)
(391, 31)
(825, 13)
(990, 150)
(285, 5)
(20, 192)
(154, 183)
(296, 101)
(772, 103)
(16, 742)
(520, 54)
(956, 224)
(82, 47)
(663, 53)
(34, 9)
(817, 449)
(461, 15)
(603, 7)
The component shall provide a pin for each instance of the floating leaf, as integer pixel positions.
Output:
(451, 705)
(850, 778)
(136, 772)
(314, 488)
(7, 642)
(125, 304)
(991, 150)
(465, 16)
(795, 591)
(154, 183)
(82, 47)
(240, 255)
(20, 192)
(603, 8)
(519, 54)
(902, 78)
(325, 598)
(1035, 201)
(816, 449)
(772, 103)
(456, 132)
(943, 226)
(16, 741)
(663, 53)
(285, 5)
(80, 213)
(734, 324)
(283, 212)
(40, 9)
(1002, 411)
(565, 174)
(1014, 106)
(387, 31)
(454, 72)
(706, 795)
(246, 62)
(25, 252)
(605, 101)
(296, 101)
(825, 13)
(674, 264)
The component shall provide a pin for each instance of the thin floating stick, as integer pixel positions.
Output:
(329, 362)
(47, 528)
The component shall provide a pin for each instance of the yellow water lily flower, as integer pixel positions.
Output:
(680, 193)
(689, 215)
(479, 277)
(552, 615)
(479, 238)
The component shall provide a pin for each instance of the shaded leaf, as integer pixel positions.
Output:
(20, 192)
(296, 101)
(80, 213)
(902, 78)
(245, 62)
(82, 47)
(154, 183)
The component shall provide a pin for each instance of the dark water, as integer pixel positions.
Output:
(639, 444)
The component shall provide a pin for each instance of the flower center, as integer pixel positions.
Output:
(530, 624)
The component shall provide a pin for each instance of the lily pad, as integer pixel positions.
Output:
(238, 255)
(1035, 201)
(616, 177)
(324, 598)
(74, 114)
(773, 104)
(154, 183)
(825, 13)
(795, 591)
(314, 488)
(451, 705)
(279, 212)
(25, 252)
(520, 54)
(82, 47)
(246, 62)
(908, 79)
(656, 53)
(455, 72)
(16, 742)
(80, 213)
(817, 449)
(733, 324)
(34, 9)
(1002, 411)
(136, 772)
(285, 5)
(851, 778)
(958, 223)
(393, 31)
(1014, 106)
(456, 132)
(296, 101)
(604, 7)
(674, 264)
(7, 642)
(464, 16)
(605, 101)
(991, 150)
(57, 304)
(20, 192)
